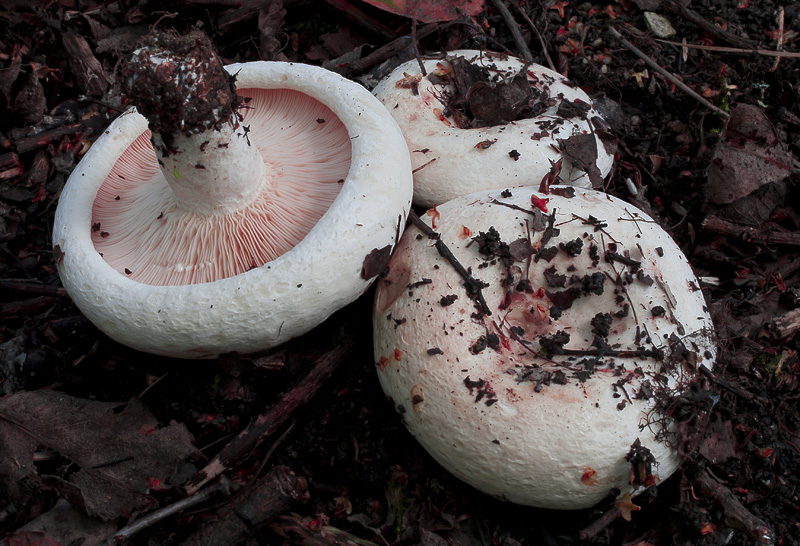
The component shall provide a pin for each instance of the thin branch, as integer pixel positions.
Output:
(785, 325)
(600, 524)
(737, 50)
(473, 285)
(749, 234)
(253, 508)
(672, 79)
(758, 531)
(385, 51)
(512, 25)
(415, 45)
(779, 45)
(222, 486)
(639, 353)
(694, 17)
(538, 35)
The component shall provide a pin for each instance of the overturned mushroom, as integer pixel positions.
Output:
(480, 120)
(257, 216)
(529, 340)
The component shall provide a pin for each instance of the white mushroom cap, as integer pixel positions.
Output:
(504, 400)
(450, 161)
(326, 263)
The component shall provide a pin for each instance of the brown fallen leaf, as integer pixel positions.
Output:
(581, 150)
(63, 524)
(17, 476)
(749, 156)
(121, 450)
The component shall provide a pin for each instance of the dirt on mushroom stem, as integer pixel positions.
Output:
(180, 85)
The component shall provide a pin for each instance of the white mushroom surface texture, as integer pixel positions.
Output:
(528, 342)
(252, 235)
(479, 121)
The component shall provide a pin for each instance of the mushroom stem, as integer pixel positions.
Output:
(180, 85)
(213, 172)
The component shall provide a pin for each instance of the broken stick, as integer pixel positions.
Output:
(271, 419)
(672, 79)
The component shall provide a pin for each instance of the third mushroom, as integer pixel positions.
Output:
(478, 120)
(530, 341)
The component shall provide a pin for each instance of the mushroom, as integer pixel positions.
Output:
(257, 216)
(480, 121)
(530, 341)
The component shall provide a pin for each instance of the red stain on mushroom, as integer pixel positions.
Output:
(464, 233)
(434, 214)
(383, 362)
(589, 476)
(398, 354)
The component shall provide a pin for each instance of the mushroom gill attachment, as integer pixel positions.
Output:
(479, 120)
(240, 233)
(545, 346)
(142, 225)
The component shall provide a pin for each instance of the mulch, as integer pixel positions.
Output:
(707, 116)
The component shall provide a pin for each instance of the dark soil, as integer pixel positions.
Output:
(337, 466)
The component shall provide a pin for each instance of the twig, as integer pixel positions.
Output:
(222, 486)
(538, 35)
(594, 528)
(385, 51)
(750, 234)
(737, 50)
(26, 307)
(32, 287)
(655, 66)
(272, 418)
(694, 17)
(251, 509)
(736, 515)
(787, 116)
(512, 25)
(640, 353)
(731, 387)
(363, 19)
(415, 45)
(785, 325)
(779, 45)
(473, 285)
(153, 384)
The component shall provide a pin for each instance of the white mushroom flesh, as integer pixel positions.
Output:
(539, 397)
